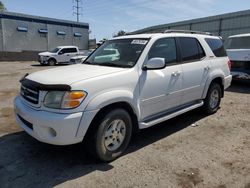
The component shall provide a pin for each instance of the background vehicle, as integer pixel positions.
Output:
(238, 50)
(108, 54)
(61, 54)
(80, 58)
(154, 78)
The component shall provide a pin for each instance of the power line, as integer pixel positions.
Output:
(77, 9)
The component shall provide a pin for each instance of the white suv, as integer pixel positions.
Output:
(155, 77)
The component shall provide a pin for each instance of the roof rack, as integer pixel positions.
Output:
(187, 31)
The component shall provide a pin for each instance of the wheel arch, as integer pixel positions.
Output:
(216, 79)
(104, 110)
(52, 58)
(103, 103)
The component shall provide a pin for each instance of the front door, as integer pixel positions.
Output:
(160, 90)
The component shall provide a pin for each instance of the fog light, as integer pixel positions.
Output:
(52, 132)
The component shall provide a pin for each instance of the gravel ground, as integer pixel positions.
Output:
(214, 153)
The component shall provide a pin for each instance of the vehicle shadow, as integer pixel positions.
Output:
(25, 162)
(240, 87)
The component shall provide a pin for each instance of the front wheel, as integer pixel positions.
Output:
(51, 62)
(213, 99)
(112, 135)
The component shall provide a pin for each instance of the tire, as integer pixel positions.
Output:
(213, 99)
(51, 62)
(112, 135)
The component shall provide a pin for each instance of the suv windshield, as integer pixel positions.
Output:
(238, 43)
(118, 53)
(55, 50)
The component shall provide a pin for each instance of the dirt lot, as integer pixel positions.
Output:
(216, 153)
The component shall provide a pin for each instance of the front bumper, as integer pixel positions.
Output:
(48, 127)
(42, 60)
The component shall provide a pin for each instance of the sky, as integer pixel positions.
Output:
(107, 17)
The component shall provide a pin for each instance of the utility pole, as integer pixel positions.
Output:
(77, 9)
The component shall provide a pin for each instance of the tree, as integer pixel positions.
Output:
(120, 33)
(2, 7)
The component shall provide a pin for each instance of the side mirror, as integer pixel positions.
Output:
(60, 53)
(154, 64)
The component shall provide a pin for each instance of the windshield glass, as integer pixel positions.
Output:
(55, 50)
(118, 53)
(238, 43)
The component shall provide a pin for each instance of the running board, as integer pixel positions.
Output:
(144, 125)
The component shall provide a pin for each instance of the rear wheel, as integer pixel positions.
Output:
(51, 62)
(213, 99)
(112, 135)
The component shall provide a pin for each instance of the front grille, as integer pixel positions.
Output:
(29, 94)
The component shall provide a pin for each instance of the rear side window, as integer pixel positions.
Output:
(72, 50)
(191, 49)
(217, 47)
(164, 48)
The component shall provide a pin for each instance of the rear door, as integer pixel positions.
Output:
(160, 90)
(62, 55)
(195, 68)
(70, 52)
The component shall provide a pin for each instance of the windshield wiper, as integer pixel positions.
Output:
(87, 62)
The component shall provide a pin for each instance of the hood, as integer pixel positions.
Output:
(46, 53)
(70, 74)
(239, 54)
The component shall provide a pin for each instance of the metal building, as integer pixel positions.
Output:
(223, 25)
(20, 32)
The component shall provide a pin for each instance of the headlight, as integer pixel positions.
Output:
(64, 100)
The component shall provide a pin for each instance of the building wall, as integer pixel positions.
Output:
(12, 40)
(224, 25)
(16, 41)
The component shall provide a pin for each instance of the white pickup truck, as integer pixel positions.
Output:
(147, 79)
(61, 54)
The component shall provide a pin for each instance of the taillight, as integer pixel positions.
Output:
(229, 63)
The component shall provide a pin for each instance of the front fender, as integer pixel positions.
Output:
(111, 97)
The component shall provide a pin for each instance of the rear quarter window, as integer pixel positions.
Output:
(191, 50)
(217, 47)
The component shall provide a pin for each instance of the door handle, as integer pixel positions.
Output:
(176, 73)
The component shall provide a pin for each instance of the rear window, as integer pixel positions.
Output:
(217, 47)
(238, 43)
(191, 49)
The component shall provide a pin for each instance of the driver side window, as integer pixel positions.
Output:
(164, 48)
(63, 51)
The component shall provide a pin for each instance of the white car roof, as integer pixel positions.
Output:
(66, 46)
(240, 35)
